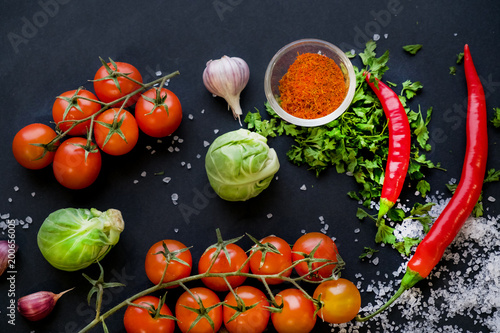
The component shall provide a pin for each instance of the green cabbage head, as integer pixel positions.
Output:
(73, 238)
(240, 165)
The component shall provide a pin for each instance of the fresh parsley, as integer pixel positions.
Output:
(496, 118)
(356, 143)
(412, 49)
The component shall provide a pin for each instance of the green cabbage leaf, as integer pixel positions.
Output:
(71, 239)
(240, 165)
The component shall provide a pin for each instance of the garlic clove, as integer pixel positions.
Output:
(38, 305)
(227, 77)
(7, 252)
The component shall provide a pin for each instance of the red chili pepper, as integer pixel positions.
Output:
(454, 215)
(399, 145)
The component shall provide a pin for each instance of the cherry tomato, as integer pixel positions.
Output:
(221, 265)
(340, 300)
(166, 116)
(178, 257)
(29, 155)
(116, 131)
(74, 167)
(273, 263)
(106, 88)
(186, 317)
(297, 314)
(138, 320)
(70, 108)
(326, 250)
(253, 320)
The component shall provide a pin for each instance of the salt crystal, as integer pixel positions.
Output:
(269, 215)
(149, 147)
(158, 73)
(303, 231)
(33, 194)
(135, 181)
(491, 199)
(198, 156)
(183, 163)
(181, 140)
(170, 149)
(216, 131)
(303, 187)
(188, 166)
(143, 174)
(190, 116)
(16, 188)
(29, 219)
(177, 149)
(357, 230)
(203, 111)
(375, 261)
(167, 180)
(376, 37)
(176, 230)
(5, 216)
(176, 137)
(9, 200)
(206, 144)
(386, 35)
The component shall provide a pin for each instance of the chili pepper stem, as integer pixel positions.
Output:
(385, 205)
(409, 280)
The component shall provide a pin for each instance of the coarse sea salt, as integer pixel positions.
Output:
(468, 276)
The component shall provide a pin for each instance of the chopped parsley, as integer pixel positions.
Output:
(356, 143)
(412, 49)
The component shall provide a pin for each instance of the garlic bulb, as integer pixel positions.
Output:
(7, 252)
(38, 305)
(226, 78)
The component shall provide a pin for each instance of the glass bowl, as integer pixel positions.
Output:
(286, 56)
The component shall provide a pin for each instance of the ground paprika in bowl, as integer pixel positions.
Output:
(309, 82)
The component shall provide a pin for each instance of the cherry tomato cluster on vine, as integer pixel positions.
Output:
(95, 124)
(243, 308)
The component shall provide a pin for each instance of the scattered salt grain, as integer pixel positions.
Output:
(174, 198)
(33, 194)
(376, 37)
(135, 181)
(386, 36)
(357, 230)
(16, 188)
(158, 73)
(177, 149)
(375, 261)
(143, 174)
(203, 111)
(216, 131)
(269, 215)
(190, 116)
(5, 216)
(206, 144)
(9, 199)
(170, 149)
(303, 187)
(491, 199)
(198, 155)
(176, 230)
(149, 147)
(303, 231)
(167, 180)
(183, 163)
(188, 166)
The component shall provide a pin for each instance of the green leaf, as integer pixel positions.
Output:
(411, 88)
(460, 58)
(413, 48)
(496, 118)
(396, 214)
(492, 176)
(367, 252)
(453, 70)
(361, 214)
(385, 234)
(406, 245)
(423, 187)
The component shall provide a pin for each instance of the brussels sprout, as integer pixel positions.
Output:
(240, 165)
(72, 238)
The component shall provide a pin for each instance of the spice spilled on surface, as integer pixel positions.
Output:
(313, 87)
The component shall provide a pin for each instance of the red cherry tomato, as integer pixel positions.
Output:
(178, 257)
(74, 167)
(29, 155)
(116, 131)
(221, 265)
(297, 314)
(65, 108)
(273, 263)
(187, 317)
(340, 300)
(166, 116)
(139, 320)
(106, 88)
(253, 320)
(326, 250)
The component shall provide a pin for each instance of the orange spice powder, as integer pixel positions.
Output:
(313, 87)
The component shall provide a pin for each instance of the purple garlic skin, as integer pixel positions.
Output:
(38, 305)
(8, 251)
(226, 78)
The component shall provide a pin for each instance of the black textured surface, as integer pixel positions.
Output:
(51, 46)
